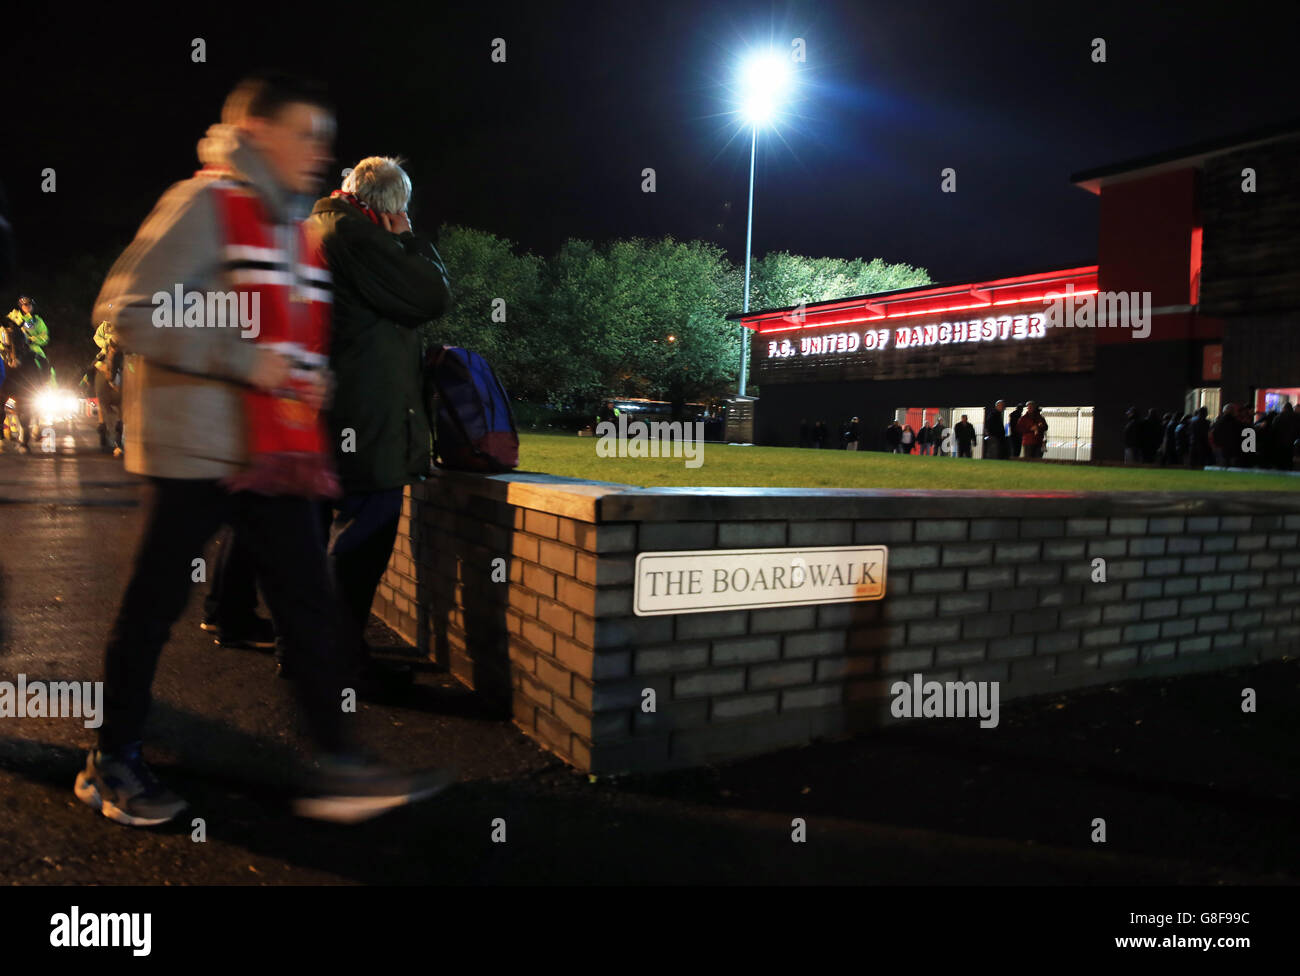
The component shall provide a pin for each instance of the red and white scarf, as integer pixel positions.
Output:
(288, 447)
(356, 202)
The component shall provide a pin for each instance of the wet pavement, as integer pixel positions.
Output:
(1192, 790)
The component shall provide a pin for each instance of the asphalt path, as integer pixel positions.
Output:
(1193, 791)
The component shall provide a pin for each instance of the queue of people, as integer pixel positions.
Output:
(1233, 439)
(1022, 433)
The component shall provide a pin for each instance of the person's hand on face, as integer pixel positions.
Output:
(395, 223)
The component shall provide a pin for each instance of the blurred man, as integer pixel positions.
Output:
(388, 280)
(196, 406)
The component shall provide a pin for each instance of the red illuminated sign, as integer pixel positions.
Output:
(991, 329)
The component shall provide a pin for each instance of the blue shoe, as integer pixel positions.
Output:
(123, 788)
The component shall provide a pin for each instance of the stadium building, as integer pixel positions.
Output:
(1193, 301)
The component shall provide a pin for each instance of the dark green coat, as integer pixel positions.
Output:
(385, 287)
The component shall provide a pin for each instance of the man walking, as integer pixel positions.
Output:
(200, 406)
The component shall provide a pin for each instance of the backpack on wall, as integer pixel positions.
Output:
(474, 429)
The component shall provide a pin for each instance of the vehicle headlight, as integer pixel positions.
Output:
(47, 403)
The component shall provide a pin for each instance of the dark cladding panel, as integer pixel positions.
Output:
(1251, 251)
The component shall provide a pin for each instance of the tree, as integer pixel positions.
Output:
(496, 306)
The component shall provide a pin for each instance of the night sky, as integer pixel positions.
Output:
(551, 144)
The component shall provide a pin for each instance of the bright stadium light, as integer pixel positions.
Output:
(765, 79)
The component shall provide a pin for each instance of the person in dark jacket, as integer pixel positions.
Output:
(925, 440)
(1169, 443)
(1225, 437)
(388, 280)
(964, 433)
(851, 434)
(1150, 435)
(819, 434)
(1198, 450)
(1183, 438)
(995, 431)
(1262, 456)
(1132, 436)
(893, 437)
(936, 435)
(1013, 430)
(1284, 437)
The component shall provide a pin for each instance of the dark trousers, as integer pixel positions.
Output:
(362, 528)
(283, 538)
(110, 411)
(231, 602)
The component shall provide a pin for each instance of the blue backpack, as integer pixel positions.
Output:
(474, 429)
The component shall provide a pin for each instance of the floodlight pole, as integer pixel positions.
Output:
(749, 237)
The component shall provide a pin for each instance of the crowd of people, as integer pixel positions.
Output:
(1193, 440)
(1022, 433)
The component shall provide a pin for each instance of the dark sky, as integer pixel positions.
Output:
(551, 144)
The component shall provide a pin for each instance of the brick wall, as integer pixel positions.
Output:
(981, 586)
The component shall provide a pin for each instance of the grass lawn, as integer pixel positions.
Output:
(789, 467)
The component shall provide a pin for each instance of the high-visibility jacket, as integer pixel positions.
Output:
(34, 328)
(104, 335)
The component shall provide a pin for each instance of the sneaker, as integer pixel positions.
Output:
(123, 788)
(257, 634)
(117, 452)
(350, 789)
